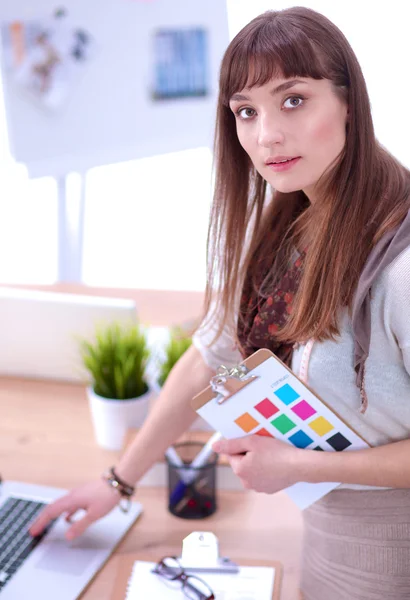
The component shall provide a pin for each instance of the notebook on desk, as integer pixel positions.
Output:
(135, 581)
(263, 396)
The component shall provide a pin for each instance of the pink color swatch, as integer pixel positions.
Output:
(303, 410)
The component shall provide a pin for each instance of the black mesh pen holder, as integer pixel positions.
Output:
(192, 491)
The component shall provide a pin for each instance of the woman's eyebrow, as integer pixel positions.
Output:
(280, 88)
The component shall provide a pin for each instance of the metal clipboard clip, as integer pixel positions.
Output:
(229, 381)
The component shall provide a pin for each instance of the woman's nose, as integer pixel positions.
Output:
(270, 131)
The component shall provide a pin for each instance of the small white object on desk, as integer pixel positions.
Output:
(200, 548)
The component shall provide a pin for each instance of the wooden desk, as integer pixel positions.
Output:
(46, 438)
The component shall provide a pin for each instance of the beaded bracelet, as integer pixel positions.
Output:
(121, 487)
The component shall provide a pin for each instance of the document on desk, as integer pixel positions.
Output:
(251, 583)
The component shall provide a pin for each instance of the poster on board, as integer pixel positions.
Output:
(45, 57)
(180, 63)
(107, 112)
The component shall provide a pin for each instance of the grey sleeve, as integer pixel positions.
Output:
(222, 352)
(397, 302)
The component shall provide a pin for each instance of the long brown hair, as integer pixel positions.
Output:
(364, 193)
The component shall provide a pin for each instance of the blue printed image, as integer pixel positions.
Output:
(180, 64)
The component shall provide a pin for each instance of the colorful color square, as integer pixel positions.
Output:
(283, 424)
(321, 426)
(300, 439)
(287, 394)
(318, 448)
(266, 408)
(303, 410)
(246, 422)
(338, 442)
(263, 432)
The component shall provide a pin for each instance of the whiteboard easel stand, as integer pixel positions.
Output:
(70, 232)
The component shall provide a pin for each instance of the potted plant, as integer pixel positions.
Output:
(118, 392)
(179, 340)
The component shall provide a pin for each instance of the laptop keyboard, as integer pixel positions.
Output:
(15, 542)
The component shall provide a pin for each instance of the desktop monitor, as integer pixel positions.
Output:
(39, 330)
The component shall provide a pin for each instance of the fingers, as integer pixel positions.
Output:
(52, 511)
(80, 526)
(240, 470)
(69, 515)
(235, 446)
(235, 462)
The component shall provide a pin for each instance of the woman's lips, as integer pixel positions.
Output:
(284, 166)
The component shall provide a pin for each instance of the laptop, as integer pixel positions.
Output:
(49, 566)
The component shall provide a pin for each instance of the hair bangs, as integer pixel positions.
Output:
(268, 52)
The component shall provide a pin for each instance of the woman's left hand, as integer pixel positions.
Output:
(265, 464)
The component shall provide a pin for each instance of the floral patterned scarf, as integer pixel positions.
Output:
(262, 318)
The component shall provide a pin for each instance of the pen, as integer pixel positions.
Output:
(182, 503)
(176, 460)
(202, 456)
(191, 473)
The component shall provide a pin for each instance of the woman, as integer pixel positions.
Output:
(323, 280)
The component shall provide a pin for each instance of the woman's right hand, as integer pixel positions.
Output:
(97, 498)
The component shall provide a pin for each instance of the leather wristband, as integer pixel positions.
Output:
(125, 490)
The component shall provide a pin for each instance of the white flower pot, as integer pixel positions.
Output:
(112, 418)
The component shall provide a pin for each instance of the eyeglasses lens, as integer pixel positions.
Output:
(170, 568)
(196, 589)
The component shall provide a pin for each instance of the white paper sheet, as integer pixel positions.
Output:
(251, 583)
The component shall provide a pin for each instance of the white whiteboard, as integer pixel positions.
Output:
(109, 115)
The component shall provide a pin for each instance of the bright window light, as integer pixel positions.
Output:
(146, 222)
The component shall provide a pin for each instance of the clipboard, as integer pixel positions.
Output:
(263, 396)
(127, 561)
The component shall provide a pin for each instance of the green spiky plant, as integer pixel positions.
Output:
(178, 343)
(116, 360)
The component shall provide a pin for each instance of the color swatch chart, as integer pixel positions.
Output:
(277, 404)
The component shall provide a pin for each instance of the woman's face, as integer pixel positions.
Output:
(301, 119)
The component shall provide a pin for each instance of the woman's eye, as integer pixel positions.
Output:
(291, 102)
(246, 113)
(295, 101)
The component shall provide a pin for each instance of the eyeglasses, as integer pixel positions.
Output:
(193, 587)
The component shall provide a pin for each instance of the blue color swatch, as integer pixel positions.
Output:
(300, 439)
(286, 393)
